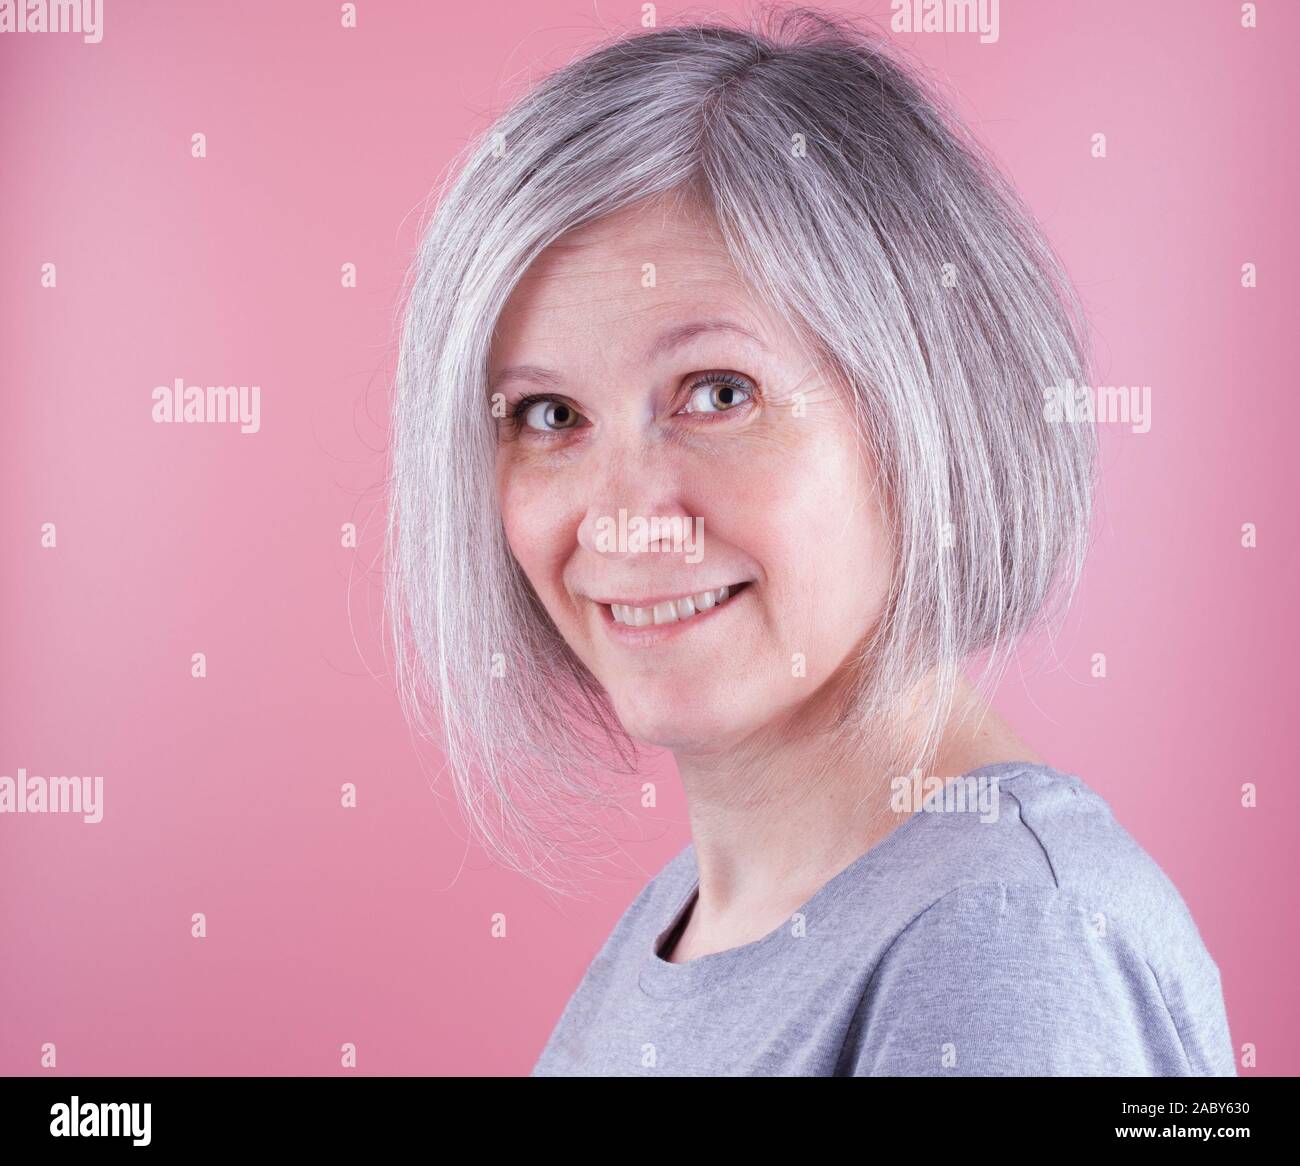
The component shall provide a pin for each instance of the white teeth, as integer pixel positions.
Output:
(670, 611)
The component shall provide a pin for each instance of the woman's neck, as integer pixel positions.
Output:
(774, 818)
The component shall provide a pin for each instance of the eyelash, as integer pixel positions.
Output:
(521, 407)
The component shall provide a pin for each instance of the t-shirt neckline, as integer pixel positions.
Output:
(663, 979)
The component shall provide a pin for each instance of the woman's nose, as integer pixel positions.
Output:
(634, 504)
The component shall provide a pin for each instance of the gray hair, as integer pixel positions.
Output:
(921, 279)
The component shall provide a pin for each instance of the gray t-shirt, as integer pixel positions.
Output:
(1028, 935)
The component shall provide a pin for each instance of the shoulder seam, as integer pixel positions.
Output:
(1020, 813)
(1062, 893)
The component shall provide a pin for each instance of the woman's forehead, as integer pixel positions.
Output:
(631, 286)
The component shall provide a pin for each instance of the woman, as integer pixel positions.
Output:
(722, 427)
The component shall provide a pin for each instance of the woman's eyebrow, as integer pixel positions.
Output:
(675, 337)
(524, 372)
(663, 344)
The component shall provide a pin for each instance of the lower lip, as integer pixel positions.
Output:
(658, 633)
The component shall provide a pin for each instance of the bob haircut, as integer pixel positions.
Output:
(871, 222)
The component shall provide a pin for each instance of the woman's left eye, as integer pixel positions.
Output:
(718, 393)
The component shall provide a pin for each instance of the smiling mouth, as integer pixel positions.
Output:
(673, 610)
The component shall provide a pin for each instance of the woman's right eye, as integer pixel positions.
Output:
(546, 415)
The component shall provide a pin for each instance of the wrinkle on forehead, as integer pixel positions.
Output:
(607, 259)
(686, 253)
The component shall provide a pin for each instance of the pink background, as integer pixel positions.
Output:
(373, 925)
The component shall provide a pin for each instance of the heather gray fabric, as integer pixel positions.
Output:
(1042, 942)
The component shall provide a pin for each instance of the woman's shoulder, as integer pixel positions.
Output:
(1050, 830)
(1051, 940)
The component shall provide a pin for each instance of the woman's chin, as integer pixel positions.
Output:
(679, 725)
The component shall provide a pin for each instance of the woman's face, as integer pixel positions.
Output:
(662, 437)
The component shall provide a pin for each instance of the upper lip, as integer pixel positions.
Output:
(664, 596)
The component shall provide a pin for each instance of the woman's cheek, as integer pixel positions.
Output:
(528, 515)
(794, 476)
(813, 520)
